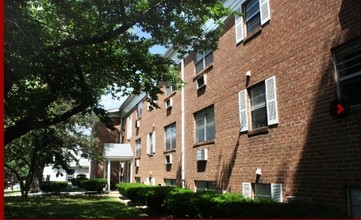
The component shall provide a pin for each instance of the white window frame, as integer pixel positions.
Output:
(345, 49)
(168, 103)
(170, 182)
(150, 107)
(168, 159)
(139, 109)
(138, 148)
(202, 60)
(202, 154)
(271, 105)
(209, 186)
(205, 123)
(204, 77)
(169, 139)
(169, 88)
(151, 143)
(249, 190)
(240, 24)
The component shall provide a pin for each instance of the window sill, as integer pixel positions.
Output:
(169, 151)
(203, 71)
(250, 37)
(201, 143)
(258, 131)
(253, 35)
(170, 96)
(137, 158)
(150, 155)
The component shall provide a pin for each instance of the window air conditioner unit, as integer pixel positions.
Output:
(137, 124)
(201, 82)
(168, 159)
(168, 103)
(202, 154)
(136, 163)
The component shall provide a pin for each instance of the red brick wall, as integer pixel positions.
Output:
(311, 153)
(160, 118)
(104, 135)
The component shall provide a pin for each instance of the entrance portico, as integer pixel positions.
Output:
(124, 155)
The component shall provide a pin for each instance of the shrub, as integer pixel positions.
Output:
(155, 198)
(135, 192)
(184, 203)
(94, 184)
(54, 187)
(181, 203)
(77, 181)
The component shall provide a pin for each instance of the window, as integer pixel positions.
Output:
(169, 88)
(85, 156)
(139, 110)
(202, 60)
(170, 182)
(151, 105)
(151, 143)
(168, 159)
(205, 124)
(263, 105)
(348, 68)
(354, 196)
(137, 179)
(168, 103)
(138, 148)
(205, 186)
(202, 81)
(271, 191)
(202, 154)
(255, 13)
(170, 137)
(258, 106)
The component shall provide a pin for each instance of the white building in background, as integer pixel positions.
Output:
(83, 167)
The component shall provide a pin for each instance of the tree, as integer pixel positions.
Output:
(27, 156)
(69, 51)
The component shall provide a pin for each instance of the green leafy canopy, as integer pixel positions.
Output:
(70, 51)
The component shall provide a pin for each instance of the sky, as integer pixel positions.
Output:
(106, 100)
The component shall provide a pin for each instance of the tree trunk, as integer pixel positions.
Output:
(37, 179)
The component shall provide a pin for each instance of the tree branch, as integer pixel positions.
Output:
(103, 37)
(27, 124)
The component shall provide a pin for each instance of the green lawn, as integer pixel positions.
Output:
(83, 206)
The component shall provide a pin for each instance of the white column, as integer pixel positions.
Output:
(183, 126)
(131, 170)
(109, 169)
(104, 168)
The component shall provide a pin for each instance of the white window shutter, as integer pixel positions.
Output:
(129, 127)
(276, 192)
(148, 144)
(265, 11)
(247, 190)
(152, 181)
(271, 101)
(243, 116)
(239, 28)
(153, 142)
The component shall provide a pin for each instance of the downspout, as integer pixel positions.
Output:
(182, 125)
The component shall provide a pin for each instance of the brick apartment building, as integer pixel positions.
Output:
(258, 116)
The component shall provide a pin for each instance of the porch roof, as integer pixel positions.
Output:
(113, 151)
